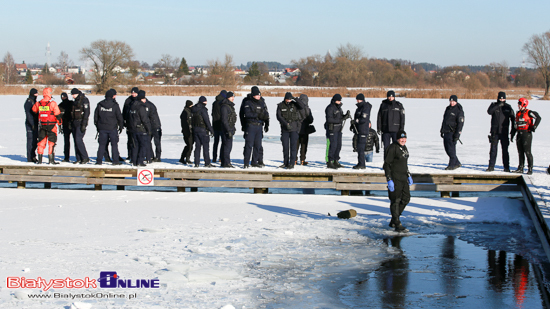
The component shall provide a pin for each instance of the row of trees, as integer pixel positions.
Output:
(349, 67)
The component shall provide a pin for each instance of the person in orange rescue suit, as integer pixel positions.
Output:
(526, 123)
(49, 116)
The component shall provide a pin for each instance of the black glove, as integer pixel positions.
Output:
(160, 132)
(288, 127)
(83, 128)
(456, 138)
(266, 128)
(347, 115)
(119, 130)
(377, 151)
(511, 138)
(533, 129)
(379, 132)
(61, 129)
(442, 135)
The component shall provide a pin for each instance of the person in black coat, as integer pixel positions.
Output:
(228, 119)
(156, 133)
(360, 125)
(451, 128)
(305, 130)
(79, 116)
(399, 179)
(109, 123)
(372, 142)
(333, 125)
(125, 115)
(139, 125)
(201, 130)
(255, 117)
(391, 119)
(186, 120)
(502, 119)
(65, 107)
(217, 123)
(290, 119)
(31, 126)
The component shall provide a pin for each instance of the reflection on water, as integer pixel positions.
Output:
(439, 271)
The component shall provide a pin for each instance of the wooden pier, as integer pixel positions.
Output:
(258, 180)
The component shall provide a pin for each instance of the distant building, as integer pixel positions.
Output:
(21, 69)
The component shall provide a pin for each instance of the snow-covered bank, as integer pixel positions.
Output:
(212, 249)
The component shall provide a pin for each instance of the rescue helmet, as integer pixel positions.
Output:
(523, 102)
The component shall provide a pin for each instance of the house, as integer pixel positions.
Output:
(21, 69)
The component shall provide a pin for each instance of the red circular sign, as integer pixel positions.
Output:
(145, 177)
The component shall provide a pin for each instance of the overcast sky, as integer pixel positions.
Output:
(438, 31)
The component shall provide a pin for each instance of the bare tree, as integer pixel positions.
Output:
(10, 73)
(221, 73)
(538, 53)
(350, 52)
(64, 61)
(105, 57)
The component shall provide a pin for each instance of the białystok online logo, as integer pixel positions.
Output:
(107, 279)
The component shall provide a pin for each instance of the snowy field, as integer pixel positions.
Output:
(210, 250)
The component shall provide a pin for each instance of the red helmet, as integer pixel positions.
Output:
(523, 102)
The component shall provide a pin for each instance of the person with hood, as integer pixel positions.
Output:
(335, 118)
(186, 119)
(305, 129)
(109, 123)
(139, 125)
(217, 124)
(229, 119)
(31, 125)
(527, 122)
(502, 119)
(156, 133)
(201, 128)
(290, 119)
(360, 125)
(65, 107)
(254, 117)
(125, 115)
(391, 119)
(48, 119)
(451, 128)
(399, 179)
(79, 115)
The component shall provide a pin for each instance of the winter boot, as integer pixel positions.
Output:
(530, 170)
(337, 164)
(519, 170)
(331, 165)
(52, 159)
(490, 169)
(548, 170)
(39, 160)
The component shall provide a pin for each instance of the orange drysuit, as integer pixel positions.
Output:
(48, 119)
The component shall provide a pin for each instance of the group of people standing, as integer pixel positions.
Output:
(143, 127)
(139, 116)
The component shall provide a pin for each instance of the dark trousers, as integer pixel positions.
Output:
(399, 198)
(79, 148)
(334, 145)
(130, 144)
(225, 151)
(32, 142)
(303, 140)
(105, 137)
(450, 149)
(217, 137)
(388, 138)
(188, 149)
(67, 143)
(202, 140)
(155, 137)
(290, 147)
(253, 141)
(140, 148)
(361, 145)
(523, 142)
(504, 143)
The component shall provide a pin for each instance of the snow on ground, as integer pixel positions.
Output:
(210, 249)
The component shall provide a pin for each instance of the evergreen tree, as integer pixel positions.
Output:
(184, 68)
(254, 70)
(28, 77)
